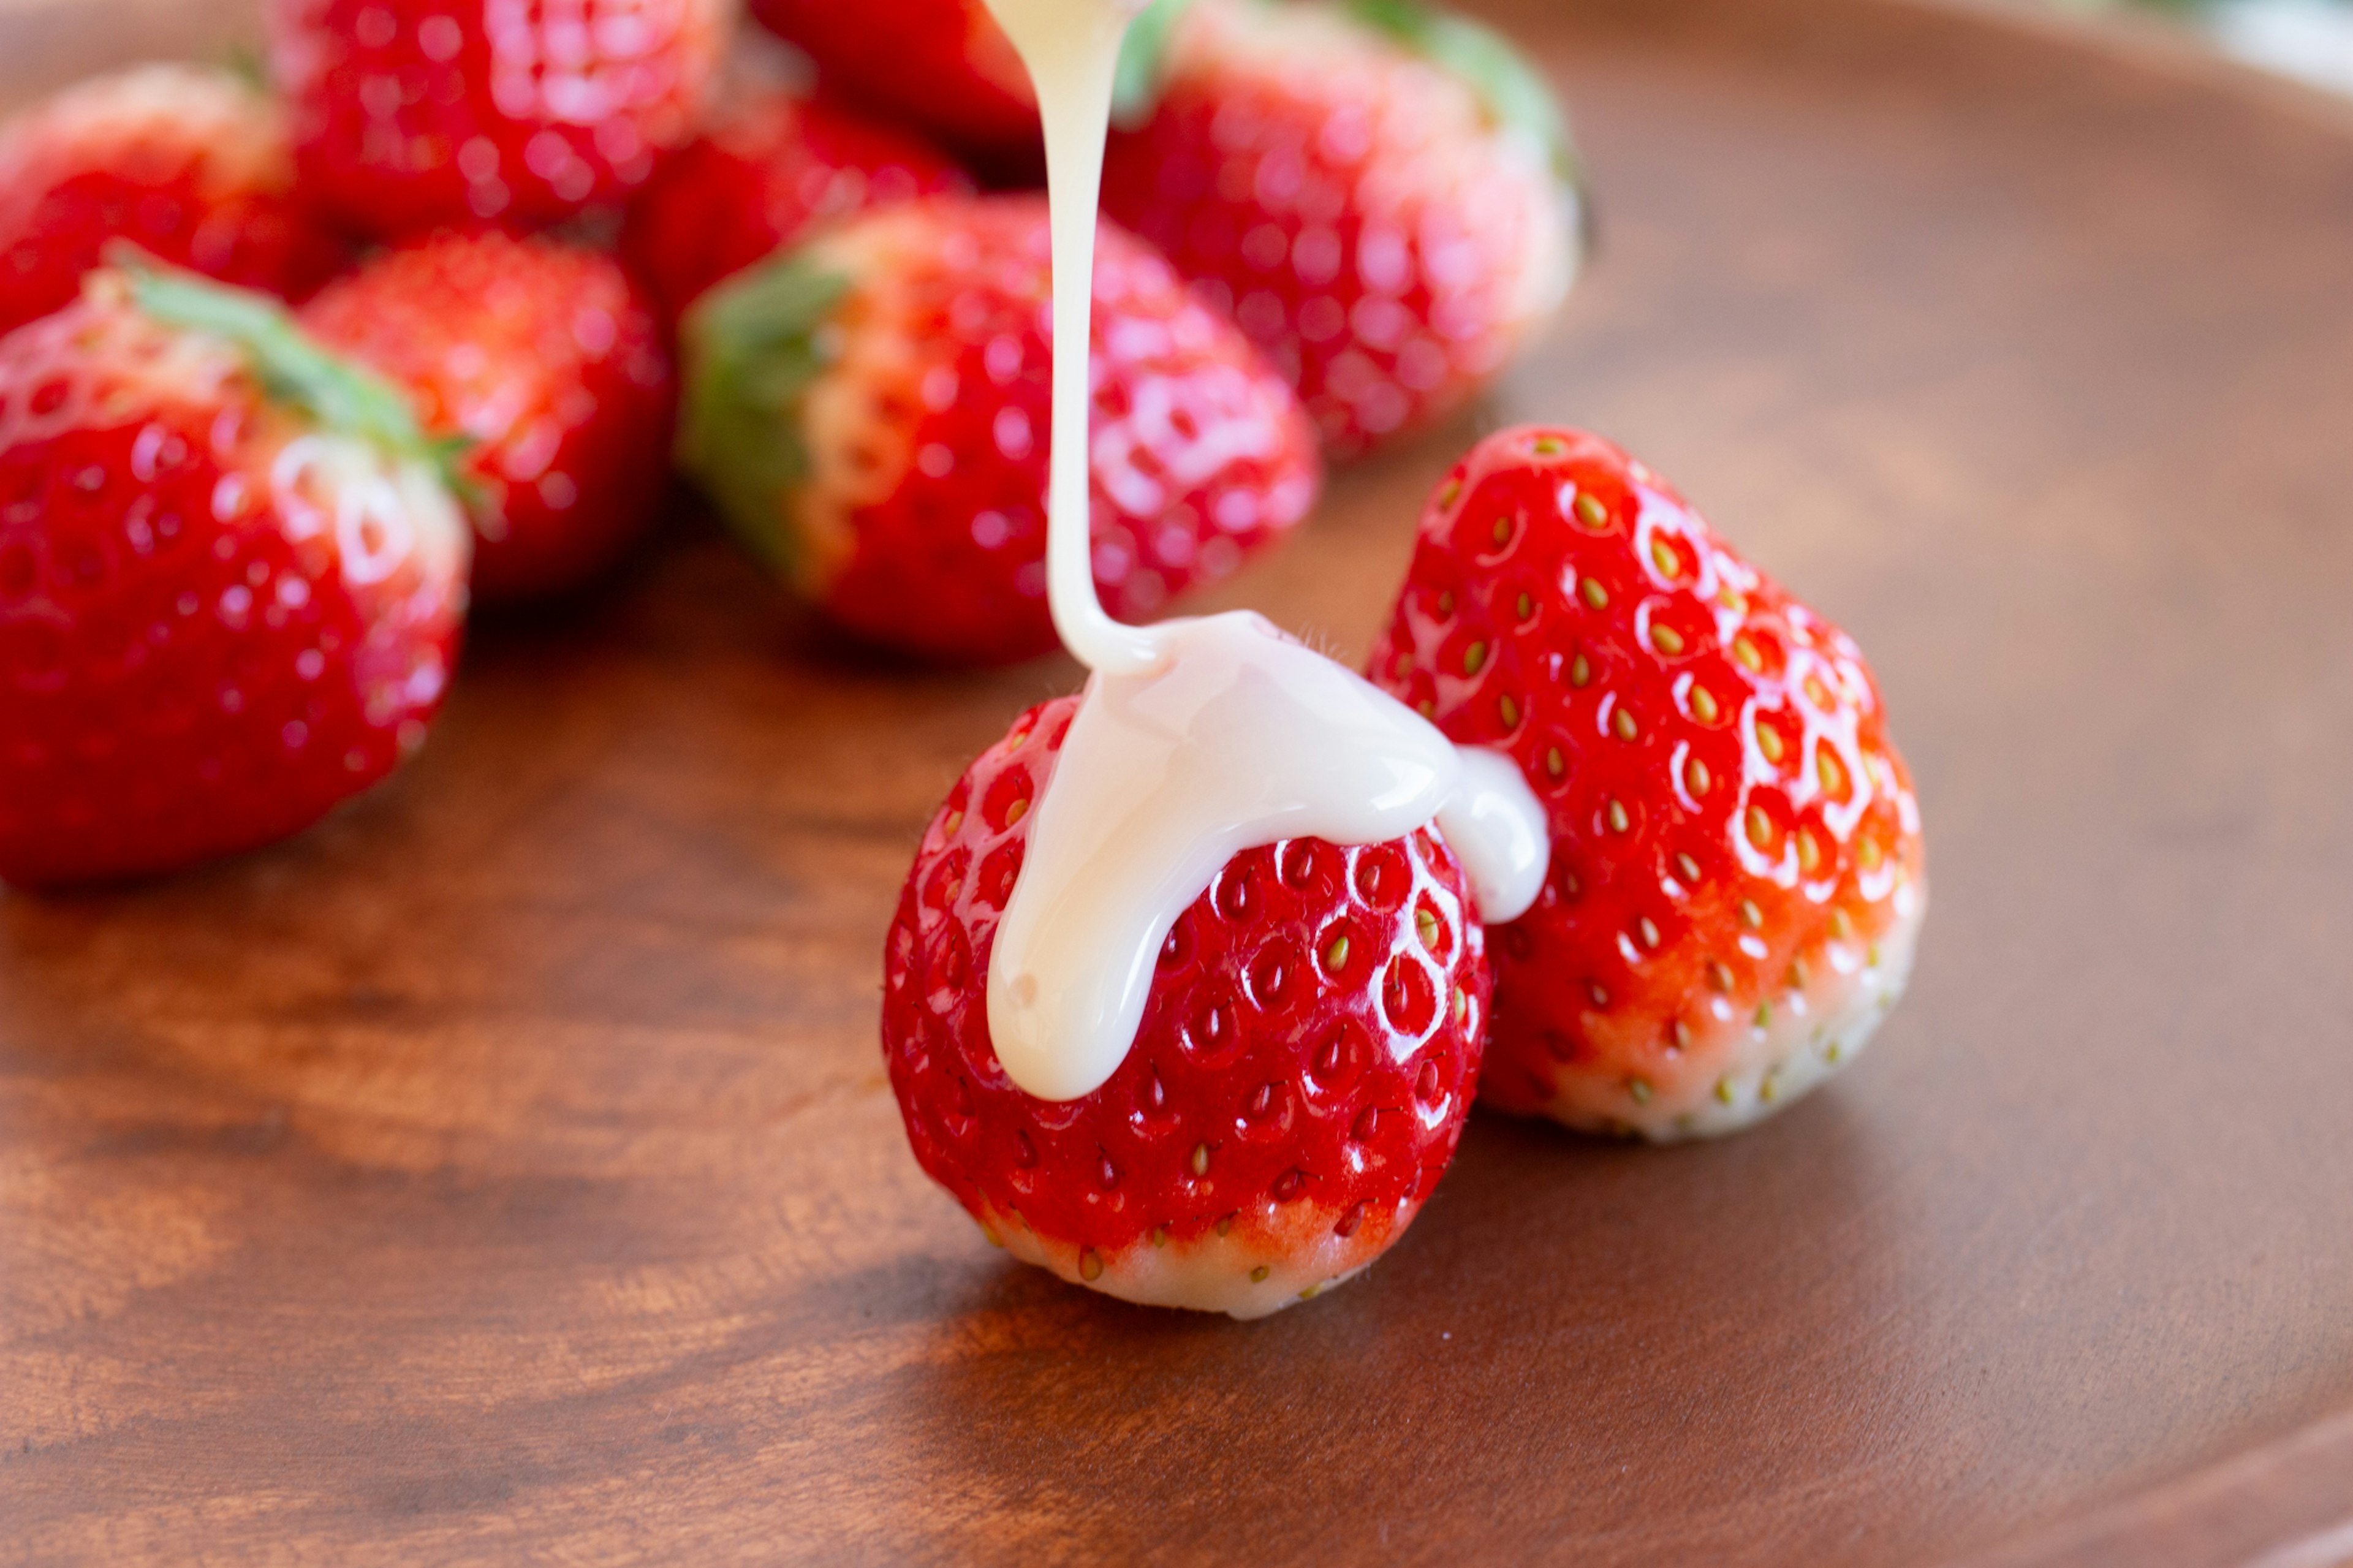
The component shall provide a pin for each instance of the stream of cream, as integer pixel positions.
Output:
(1197, 738)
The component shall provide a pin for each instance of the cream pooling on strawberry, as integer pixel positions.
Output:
(1197, 738)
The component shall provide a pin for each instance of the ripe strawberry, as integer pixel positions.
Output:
(871, 412)
(1737, 881)
(231, 581)
(191, 164)
(1383, 197)
(943, 65)
(948, 67)
(1297, 1087)
(758, 179)
(544, 357)
(410, 114)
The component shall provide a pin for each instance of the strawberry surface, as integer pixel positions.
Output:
(189, 164)
(1297, 1087)
(1382, 196)
(221, 612)
(943, 65)
(872, 412)
(410, 114)
(548, 360)
(761, 178)
(1736, 879)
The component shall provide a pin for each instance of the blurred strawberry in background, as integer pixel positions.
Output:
(188, 161)
(773, 163)
(946, 66)
(872, 413)
(1382, 196)
(942, 65)
(547, 363)
(414, 114)
(231, 580)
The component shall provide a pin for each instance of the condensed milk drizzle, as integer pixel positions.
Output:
(1197, 738)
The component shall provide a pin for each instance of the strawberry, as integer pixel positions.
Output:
(1297, 1087)
(946, 66)
(942, 65)
(191, 164)
(549, 361)
(231, 581)
(774, 165)
(871, 412)
(1737, 882)
(1383, 197)
(410, 114)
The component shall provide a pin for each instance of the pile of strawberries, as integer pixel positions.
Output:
(295, 374)
(529, 252)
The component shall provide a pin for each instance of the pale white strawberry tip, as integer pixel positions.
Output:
(1779, 1054)
(1233, 1272)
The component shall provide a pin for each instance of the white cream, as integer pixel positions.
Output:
(1197, 738)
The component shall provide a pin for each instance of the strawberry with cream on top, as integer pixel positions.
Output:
(1298, 1084)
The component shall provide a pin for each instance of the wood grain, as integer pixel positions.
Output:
(505, 1170)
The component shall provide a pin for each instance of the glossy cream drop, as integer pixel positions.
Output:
(1197, 738)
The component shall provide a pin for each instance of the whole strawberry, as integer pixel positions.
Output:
(940, 64)
(189, 162)
(871, 412)
(759, 178)
(1737, 883)
(546, 360)
(231, 581)
(1297, 1087)
(1383, 197)
(410, 114)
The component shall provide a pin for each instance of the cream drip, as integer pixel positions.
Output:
(1197, 738)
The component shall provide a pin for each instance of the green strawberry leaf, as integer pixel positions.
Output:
(752, 347)
(291, 365)
(1142, 63)
(1514, 91)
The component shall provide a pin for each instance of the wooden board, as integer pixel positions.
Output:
(505, 1170)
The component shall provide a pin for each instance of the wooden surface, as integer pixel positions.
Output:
(506, 1168)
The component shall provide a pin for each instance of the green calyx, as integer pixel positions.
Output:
(292, 367)
(1514, 93)
(1143, 62)
(752, 347)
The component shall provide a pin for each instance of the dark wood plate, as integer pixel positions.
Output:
(506, 1168)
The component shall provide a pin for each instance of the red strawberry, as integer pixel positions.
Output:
(413, 113)
(1736, 879)
(871, 411)
(943, 65)
(191, 164)
(758, 179)
(548, 360)
(1382, 196)
(1297, 1087)
(948, 67)
(231, 582)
